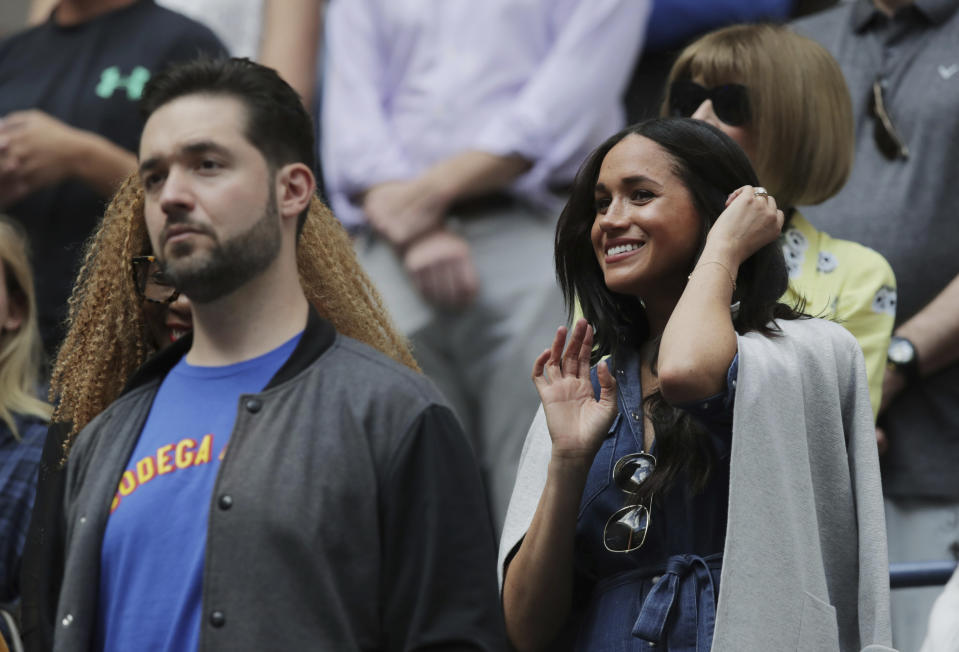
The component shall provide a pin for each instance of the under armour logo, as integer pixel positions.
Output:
(947, 73)
(111, 80)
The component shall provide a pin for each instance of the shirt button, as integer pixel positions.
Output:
(218, 619)
(656, 579)
(621, 372)
(253, 405)
(83, 519)
(226, 501)
(67, 620)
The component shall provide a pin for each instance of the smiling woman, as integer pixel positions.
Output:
(663, 182)
(646, 227)
(662, 460)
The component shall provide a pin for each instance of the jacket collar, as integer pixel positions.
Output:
(935, 11)
(317, 338)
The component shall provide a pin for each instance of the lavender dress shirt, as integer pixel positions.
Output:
(411, 82)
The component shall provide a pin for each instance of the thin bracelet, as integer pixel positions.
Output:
(714, 262)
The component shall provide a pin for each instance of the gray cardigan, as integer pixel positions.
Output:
(355, 519)
(805, 565)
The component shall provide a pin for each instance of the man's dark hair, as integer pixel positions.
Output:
(278, 124)
(711, 166)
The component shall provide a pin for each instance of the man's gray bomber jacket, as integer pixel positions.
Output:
(356, 517)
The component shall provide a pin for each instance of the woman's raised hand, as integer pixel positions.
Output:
(577, 422)
(750, 221)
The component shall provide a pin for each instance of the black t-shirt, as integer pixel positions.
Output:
(89, 76)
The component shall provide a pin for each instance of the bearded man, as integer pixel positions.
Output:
(268, 482)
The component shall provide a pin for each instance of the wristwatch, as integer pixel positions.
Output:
(902, 357)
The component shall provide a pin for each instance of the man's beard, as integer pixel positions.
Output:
(230, 264)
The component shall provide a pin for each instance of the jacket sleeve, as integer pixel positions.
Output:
(438, 549)
(359, 150)
(804, 564)
(42, 565)
(596, 44)
(873, 601)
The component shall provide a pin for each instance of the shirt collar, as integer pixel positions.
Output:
(318, 336)
(935, 11)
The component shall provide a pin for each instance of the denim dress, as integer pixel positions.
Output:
(665, 592)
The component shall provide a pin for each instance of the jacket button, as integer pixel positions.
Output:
(226, 501)
(218, 619)
(253, 405)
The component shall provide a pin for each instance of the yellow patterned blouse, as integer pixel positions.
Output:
(847, 283)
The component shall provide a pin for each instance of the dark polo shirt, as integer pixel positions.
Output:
(89, 76)
(906, 209)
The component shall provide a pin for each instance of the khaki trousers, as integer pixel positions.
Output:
(481, 357)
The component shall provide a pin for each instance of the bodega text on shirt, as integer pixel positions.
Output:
(171, 458)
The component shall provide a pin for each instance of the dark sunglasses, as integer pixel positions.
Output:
(150, 281)
(890, 143)
(626, 529)
(730, 101)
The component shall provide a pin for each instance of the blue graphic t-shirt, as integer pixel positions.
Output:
(151, 561)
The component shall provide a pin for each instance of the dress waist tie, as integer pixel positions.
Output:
(686, 586)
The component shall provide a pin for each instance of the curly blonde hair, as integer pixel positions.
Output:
(108, 338)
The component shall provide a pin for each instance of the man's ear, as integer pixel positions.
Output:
(295, 186)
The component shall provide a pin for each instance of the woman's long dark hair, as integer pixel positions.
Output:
(711, 166)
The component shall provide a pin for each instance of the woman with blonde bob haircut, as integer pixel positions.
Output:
(800, 135)
(23, 414)
(782, 97)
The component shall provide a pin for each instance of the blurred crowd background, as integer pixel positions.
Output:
(447, 155)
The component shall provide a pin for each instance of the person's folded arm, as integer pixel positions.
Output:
(472, 173)
(38, 151)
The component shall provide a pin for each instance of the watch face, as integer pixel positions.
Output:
(900, 351)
